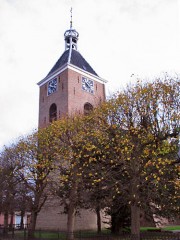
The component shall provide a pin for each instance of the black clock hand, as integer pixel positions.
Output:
(87, 85)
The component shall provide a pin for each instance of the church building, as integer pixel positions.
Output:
(71, 86)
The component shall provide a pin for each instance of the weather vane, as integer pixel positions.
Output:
(71, 18)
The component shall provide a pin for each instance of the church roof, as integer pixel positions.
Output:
(75, 59)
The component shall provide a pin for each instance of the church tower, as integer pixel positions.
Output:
(71, 86)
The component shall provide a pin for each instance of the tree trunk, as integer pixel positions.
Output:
(22, 220)
(135, 222)
(32, 225)
(135, 209)
(115, 226)
(98, 213)
(72, 210)
(11, 221)
(70, 222)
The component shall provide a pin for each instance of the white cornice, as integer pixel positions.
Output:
(74, 68)
(85, 73)
(53, 75)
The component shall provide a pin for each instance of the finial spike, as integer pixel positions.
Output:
(71, 18)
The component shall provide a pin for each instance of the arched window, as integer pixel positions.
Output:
(87, 108)
(53, 113)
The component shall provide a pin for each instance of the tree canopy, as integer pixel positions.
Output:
(123, 155)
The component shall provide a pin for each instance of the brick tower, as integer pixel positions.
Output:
(71, 86)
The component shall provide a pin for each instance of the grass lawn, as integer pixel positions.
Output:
(44, 234)
(172, 228)
(60, 234)
(143, 229)
(85, 234)
(50, 235)
(168, 228)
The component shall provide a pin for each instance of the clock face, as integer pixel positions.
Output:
(52, 86)
(87, 85)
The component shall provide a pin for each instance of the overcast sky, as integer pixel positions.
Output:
(117, 37)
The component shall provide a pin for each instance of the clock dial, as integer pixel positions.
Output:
(87, 85)
(52, 86)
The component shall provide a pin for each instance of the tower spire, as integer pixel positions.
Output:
(71, 19)
(71, 36)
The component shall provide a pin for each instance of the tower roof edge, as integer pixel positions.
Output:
(76, 59)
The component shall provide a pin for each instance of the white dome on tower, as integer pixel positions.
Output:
(71, 37)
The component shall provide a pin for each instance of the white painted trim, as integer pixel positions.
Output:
(47, 79)
(87, 74)
(70, 51)
(74, 68)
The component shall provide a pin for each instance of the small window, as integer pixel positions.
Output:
(53, 113)
(87, 108)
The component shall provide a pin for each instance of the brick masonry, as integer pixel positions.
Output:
(69, 99)
(51, 217)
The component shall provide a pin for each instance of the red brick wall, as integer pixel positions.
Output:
(77, 97)
(60, 98)
(69, 98)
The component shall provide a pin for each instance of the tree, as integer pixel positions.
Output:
(34, 155)
(141, 119)
(125, 148)
(76, 143)
(131, 132)
(66, 179)
(9, 181)
(118, 145)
